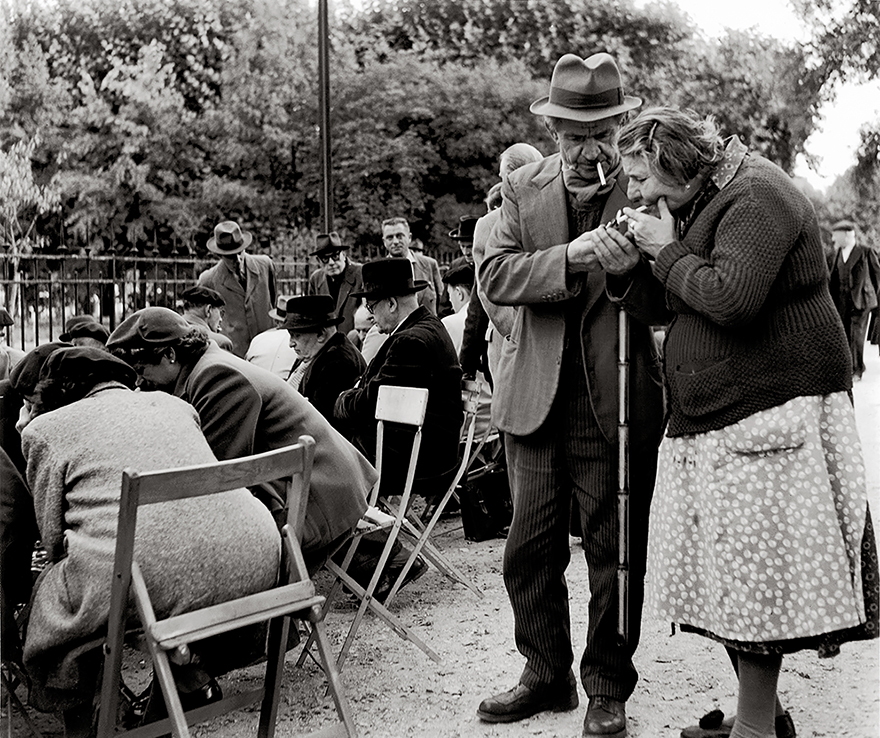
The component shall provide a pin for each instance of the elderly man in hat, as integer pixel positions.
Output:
(338, 277)
(245, 282)
(556, 399)
(271, 349)
(855, 286)
(417, 353)
(205, 307)
(328, 363)
(246, 410)
(397, 238)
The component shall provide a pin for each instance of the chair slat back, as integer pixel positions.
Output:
(405, 405)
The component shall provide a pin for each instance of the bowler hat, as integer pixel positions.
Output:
(585, 90)
(464, 231)
(151, 327)
(82, 361)
(328, 243)
(26, 373)
(84, 326)
(460, 273)
(202, 296)
(843, 225)
(279, 312)
(229, 239)
(388, 278)
(311, 313)
(5, 318)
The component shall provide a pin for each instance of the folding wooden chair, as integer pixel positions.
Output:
(294, 596)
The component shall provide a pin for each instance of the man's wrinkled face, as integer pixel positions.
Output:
(306, 345)
(583, 145)
(396, 239)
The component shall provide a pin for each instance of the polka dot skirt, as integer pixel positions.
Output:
(760, 534)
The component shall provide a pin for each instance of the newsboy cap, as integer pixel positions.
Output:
(83, 361)
(151, 327)
(229, 239)
(388, 278)
(585, 90)
(328, 243)
(84, 326)
(202, 296)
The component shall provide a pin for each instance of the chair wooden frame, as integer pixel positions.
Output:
(293, 596)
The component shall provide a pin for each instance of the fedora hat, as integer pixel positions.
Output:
(279, 312)
(327, 243)
(388, 278)
(311, 313)
(585, 90)
(84, 326)
(150, 327)
(229, 239)
(464, 231)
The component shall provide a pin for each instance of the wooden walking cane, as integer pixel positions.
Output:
(623, 476)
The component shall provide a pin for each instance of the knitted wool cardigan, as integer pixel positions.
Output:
(754, 324)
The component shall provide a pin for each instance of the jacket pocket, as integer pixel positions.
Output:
(699, 390)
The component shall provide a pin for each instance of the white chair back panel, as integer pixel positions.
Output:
(402, 404)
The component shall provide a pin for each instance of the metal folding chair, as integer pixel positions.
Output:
(294, 596)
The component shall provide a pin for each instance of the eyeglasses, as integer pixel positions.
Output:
(330, 257)
(372, 306)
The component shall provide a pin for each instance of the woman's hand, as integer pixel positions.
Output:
(616, 253)
(651, 234)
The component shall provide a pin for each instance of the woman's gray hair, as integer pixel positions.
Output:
(677, 144)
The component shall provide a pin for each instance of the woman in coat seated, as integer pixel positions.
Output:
(82, 426)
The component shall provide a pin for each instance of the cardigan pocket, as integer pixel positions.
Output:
(700, 389)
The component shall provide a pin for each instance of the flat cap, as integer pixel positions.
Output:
(84, 326)
(843, 225)
(460, 273)
(202, 296)
(151, 327)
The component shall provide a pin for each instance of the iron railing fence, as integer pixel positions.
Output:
(42, 291)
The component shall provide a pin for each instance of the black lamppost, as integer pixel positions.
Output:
(324, 105)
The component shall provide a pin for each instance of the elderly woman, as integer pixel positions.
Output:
(81, 427)
(761, 537)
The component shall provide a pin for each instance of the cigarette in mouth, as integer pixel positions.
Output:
(601, 173)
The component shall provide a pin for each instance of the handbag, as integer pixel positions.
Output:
(486, 504)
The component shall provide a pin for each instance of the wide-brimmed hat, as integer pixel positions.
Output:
(464, 231)
(843, 225)
(26, 373)
(461, 272)
(388, 278)
(327, 244)
(585, 90)
(202, 296)
(229, 239)
(152, 327)
(279, 312)
(311, 313)
(84, 326)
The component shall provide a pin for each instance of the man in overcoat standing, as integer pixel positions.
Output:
(556, 399)
(338, 277)
(245, 282)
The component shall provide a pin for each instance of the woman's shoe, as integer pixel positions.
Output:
(713, 725)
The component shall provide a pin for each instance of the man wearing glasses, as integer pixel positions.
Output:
(337, 277)
(397, 239)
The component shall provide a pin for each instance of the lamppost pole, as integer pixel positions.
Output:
(324, 105)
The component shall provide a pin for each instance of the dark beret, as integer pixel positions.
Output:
(151, 327)
(26, 373)
(86, 361)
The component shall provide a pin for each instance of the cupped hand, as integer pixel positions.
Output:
(651, 234)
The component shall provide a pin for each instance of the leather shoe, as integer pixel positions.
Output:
(522, 702)
(389, 577)
(713, 725)
(606, 718)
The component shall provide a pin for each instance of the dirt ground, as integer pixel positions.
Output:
(396, 691)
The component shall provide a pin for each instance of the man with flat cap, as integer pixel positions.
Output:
(246, 283)
(204, 307)
(417, 353)
(556, 399)
(855, 286)
(338, 277)
(329, 363)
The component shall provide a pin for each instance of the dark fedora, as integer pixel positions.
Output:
(151, 327)
(460, 273)
(388, 278)
(279, 312)
(311, 313)
(84, 326)
(202, 296)
(327, 244)
(464, 231)
(585, 90)
(229, 239)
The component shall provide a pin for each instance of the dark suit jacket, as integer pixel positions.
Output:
(247, 311)
(525, 266)
(336, 368)
(346, 305)
(418, 354)
(855, 284)
(245, 410)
